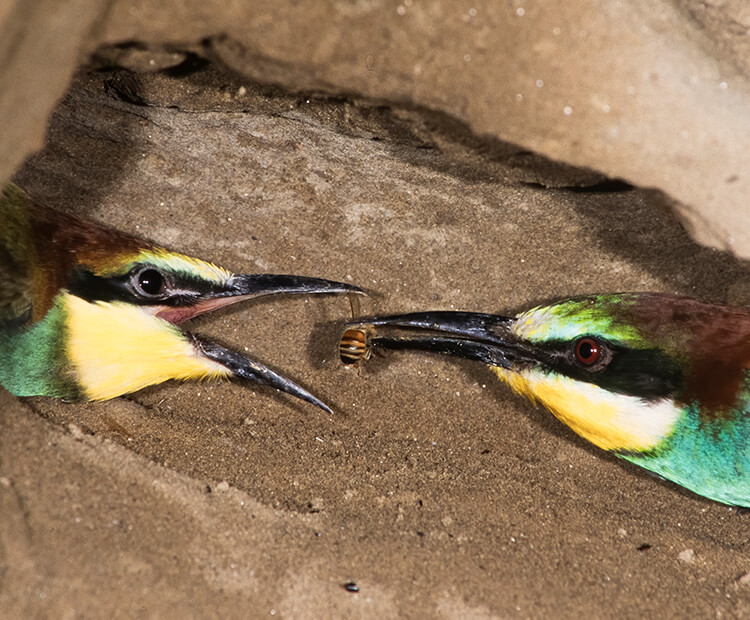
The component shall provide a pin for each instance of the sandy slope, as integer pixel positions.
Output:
(435, 490)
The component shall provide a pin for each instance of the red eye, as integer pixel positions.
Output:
(588, 351)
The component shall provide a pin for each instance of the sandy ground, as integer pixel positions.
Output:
(432, 488)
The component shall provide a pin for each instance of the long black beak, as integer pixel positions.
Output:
(472, 335)
(247, 286)
(245, 368)
(255, 285)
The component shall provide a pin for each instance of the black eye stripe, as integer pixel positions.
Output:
(646, 373)
(178, 289)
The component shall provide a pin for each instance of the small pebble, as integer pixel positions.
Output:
(75, 431)
(222, 486)
(350, 586)
(686, 555)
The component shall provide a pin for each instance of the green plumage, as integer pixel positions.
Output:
(709, 457)
(34, 362)
(89, 313)
(690, 353)
(660, 380)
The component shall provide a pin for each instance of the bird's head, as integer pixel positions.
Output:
(116, 301)
(618, 369)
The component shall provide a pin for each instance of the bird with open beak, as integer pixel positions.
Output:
(90, 313)
(660, 380)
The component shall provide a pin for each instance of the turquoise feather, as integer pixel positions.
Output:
(709, 457)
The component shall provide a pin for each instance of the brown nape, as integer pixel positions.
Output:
(712, 340)
(63, 242)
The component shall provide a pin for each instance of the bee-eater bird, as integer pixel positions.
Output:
(90, 313)
(662, 381)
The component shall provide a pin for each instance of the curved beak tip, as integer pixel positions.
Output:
(324, 407)
(245, 368)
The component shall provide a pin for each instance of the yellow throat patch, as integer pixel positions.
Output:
(611, 421)
(117, 348)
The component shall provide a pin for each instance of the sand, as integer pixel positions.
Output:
(432, 488)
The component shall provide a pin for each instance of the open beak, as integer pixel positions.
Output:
(486, 338)
(247, 286)
(241, 287)
(243, 367)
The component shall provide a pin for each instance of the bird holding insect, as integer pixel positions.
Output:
(660, 380)
(354, 346)
(90, 313)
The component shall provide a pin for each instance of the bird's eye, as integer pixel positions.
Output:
(588, 351)
(149, 282)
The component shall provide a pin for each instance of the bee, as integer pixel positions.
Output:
(355, 346)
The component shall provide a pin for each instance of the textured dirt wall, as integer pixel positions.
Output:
(654, 93)
(434, 489)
